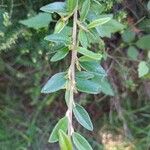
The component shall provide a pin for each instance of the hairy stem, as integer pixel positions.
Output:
(72, 85)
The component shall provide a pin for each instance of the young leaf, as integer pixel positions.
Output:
(55, 83)
(60, 26)
(83, 38)
(144, 42)
(143, 69)
(64, 141)
(62, 53)
(85, 9)
(84, 75)
(89, 54)
(58, 38)
(99, 22)
(132, 52)
(83, 117)
(93, 66)
(88, 86)
(71, 4)
(58, 7)
(41, 20)
(80, 142)
(63, 125)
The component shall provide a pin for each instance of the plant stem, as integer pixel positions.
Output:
(72, 85)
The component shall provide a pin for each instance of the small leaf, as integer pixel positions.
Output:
(89, 54)
(93, 66)
(41, 20)
(60, 26)
(85, 9)
(84, 75)
(83, 117)
(55, 83)
(58, 7)
(80, 142)
(99, 22)
(60, 54)
(64, 141)
(128, 36)
(63, 125)
(87, 86)
(144, 42)
(71, 4)
(83, 38)
(143, 69)
(58, 38)
(132, 52)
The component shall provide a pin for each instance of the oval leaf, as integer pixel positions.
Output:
(83, 117)
(99, 22)
(55, 83)
(143, 69)
(60, 54)
(93, 66)
(85, 9)
(89, 54)
(71, 4)
(144, 42)
(88, 86)
(58, 38)
(63, 125)
(80, 142)
(83, 38)
(64, 141)
(58, 7)
(84, 75)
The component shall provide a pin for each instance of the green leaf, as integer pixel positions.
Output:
(63, 125)
(80, 142)
(110, 27)
(58, 7)
(132, 52)
(58, 38)
(93, 66)
(83, 117)
(87, 86)
(64, 141)
(89, 54)
(144, 42)
(99, 22)
(83, 38)
(85, 9)
(62, 53)
(143, 69)
(128, 36)
(55, 83)
(71, 4)
(106, 88)
(41, 20)
(84, 75)
(60, 26)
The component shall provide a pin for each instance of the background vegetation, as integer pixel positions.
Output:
(27, 117)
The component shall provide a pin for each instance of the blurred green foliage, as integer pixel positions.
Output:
(26, 116)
